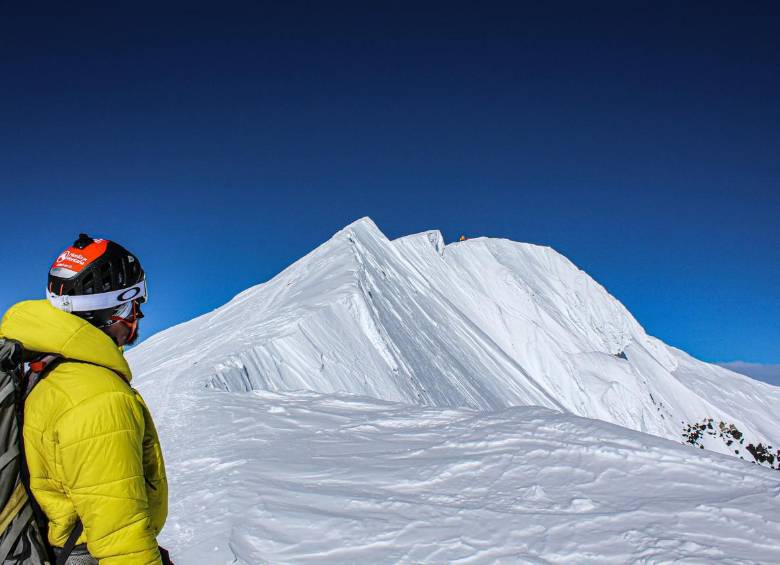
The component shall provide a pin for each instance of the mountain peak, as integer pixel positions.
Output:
(362, 227)
(488, 324)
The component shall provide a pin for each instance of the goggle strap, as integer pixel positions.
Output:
(102, 301)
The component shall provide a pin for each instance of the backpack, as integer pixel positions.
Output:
(23, 525)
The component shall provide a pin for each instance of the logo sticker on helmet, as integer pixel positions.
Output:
(76, 259)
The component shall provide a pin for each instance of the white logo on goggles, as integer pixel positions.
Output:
(89, 302)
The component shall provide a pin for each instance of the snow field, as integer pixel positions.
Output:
(303, 477)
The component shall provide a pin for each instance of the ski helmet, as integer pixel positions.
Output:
(98, 280)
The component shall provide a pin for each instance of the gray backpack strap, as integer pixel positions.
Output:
(15, 530)
(22, 539)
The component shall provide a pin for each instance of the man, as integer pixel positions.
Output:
(91, 447)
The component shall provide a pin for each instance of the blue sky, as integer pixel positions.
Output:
(221, 143)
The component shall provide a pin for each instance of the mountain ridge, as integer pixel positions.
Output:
(484, 324)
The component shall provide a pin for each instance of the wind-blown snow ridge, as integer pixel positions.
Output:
(485, 324)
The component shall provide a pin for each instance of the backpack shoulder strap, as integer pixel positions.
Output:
(38, 369)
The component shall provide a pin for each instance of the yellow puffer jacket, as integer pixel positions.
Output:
(91, 445)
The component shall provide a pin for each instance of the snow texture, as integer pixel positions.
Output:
(410, 401)
(308, 478)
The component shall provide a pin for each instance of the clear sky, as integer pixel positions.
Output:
(222, 141)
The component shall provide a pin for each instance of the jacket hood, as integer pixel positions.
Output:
(40, 327)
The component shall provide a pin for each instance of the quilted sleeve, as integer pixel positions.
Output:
(100, 442)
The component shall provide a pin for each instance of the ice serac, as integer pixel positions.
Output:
(484, 324)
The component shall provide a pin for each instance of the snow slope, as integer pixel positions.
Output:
(308, 478)
(485, 324)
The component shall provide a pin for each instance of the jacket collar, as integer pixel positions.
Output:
(40, 327)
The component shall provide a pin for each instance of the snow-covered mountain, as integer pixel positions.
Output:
(484, 324)
(410, 402)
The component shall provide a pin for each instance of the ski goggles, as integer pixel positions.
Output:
(102, 301)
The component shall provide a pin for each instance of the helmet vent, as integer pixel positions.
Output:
(88, 285)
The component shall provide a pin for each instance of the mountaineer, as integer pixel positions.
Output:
(93, 457)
